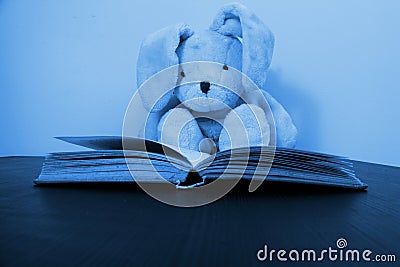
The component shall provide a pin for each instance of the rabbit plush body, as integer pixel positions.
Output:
(236, 39)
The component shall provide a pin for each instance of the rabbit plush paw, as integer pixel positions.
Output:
(179, 128)
(244, 126)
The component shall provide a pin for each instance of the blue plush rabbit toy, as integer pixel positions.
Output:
(237, 39)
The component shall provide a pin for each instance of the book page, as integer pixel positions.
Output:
(190, 157)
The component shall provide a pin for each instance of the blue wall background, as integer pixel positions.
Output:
(68, 68)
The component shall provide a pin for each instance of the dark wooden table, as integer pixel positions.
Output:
(118, 225)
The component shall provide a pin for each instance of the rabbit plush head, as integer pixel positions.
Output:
(210, 46)
(236, 39)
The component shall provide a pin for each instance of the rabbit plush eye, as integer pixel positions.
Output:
(225, 67)
(182, 74)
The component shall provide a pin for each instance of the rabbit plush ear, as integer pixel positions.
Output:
(257, 40)
(157, 53)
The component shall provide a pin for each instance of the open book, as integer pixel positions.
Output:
(114, 159)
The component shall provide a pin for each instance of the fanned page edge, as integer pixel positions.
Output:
(128, 143)
(342, 162)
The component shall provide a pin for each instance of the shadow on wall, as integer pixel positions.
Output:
(302, 107)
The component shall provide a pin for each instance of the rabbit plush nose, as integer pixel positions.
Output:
(205, 87)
